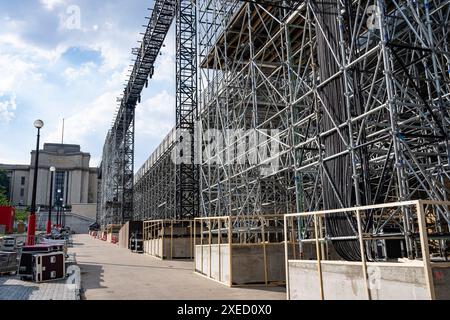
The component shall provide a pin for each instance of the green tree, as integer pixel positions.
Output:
(21, 215)
(4, 182)
(4, 202)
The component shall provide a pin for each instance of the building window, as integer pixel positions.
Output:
(59, 186)
(22, 192)
(22, 181)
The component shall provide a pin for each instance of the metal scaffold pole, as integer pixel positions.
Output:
(187, 173)
(358, 93)
(167, 185)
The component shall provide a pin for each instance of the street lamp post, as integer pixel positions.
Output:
(65, 211)
(50, 202)
(38, 124)
(61, 212)
(58, 212)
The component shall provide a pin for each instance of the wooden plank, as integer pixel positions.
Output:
(286, 258)
(319, 263)
(363, 254)
(425, 250)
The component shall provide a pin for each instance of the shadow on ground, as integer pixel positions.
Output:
(91, 276)
(136, 266)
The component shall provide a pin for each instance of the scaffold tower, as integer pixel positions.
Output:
(354, 95)
(294, 106)
(118, 153)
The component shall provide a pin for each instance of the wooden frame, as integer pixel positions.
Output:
(164, 229)
(113, 230)
(226, 234)
(318, 216)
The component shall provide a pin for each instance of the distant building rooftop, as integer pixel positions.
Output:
(61, 149)
(14, 167)
(66, 147)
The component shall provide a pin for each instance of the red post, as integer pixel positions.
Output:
(7, 218)
(31, 230)
(49, 227)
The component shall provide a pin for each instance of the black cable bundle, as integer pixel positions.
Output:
(337, 173)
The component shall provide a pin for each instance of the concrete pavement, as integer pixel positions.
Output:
(12, 288)
(112, 273)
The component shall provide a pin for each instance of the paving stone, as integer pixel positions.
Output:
(113, 273)
(12, 288)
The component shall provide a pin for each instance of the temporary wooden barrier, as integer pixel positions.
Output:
(112, 232)
(324, 278)
(127, 230)
(246, 250)
(169, 239)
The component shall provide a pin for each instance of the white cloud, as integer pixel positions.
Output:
(85, 69)
(155, 116)
(114, 56)
(7, 108)
(95, 161)
(115, 52)
(51, 4)
(16, 72)
(165, 63)
(14, 41)
(33, 70)
(92, 120)
(165, 68)
(14, 155)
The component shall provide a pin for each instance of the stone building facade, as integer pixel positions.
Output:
(75, 181)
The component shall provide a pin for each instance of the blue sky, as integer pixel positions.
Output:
(69, 59)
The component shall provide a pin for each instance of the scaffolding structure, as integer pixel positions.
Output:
(167, 185)
(244, 110)
(159, 192)
(117, 200)
(187, 171)
(306, 106)
(154, 186)
(351, 99)
(99, 194)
